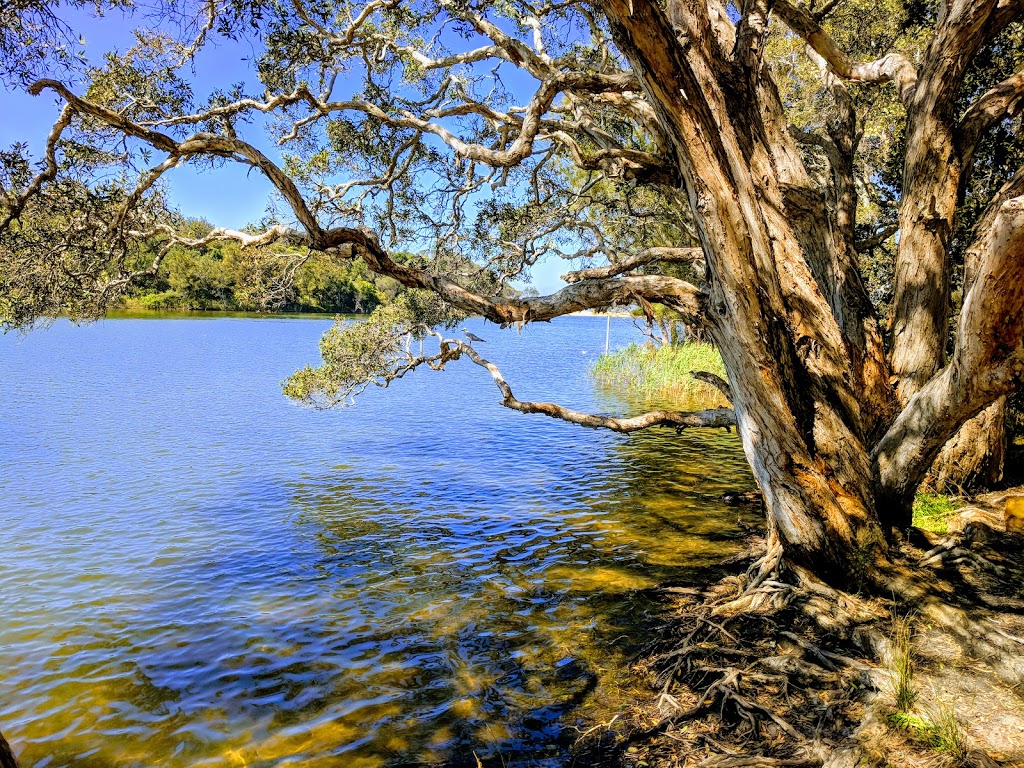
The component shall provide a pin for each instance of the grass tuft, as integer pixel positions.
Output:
(903, 665)
(941, 732)
(947, 736)
(662, 374)
(933, 512)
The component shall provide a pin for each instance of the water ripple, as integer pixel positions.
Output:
(199, 572)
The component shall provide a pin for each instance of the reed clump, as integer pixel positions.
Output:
(654, 374)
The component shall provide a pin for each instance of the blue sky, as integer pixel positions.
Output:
(232, 195)
(227, 197)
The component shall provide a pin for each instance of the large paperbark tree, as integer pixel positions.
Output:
(406, 123)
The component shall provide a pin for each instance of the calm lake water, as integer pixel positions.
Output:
(196, 571)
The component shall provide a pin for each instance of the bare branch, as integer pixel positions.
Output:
(518, 52)
(715, 381)
(529, 124)
(1003, 101)
(619, 162)
(682, 296)
(158, 140)
(647, 256)
(988, 360)
(876, 239)
(197, 144)
(714, 417)
(891, 67)
(189, 53)
(48, 173)
(277, 233)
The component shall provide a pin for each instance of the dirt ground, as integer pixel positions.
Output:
(924, 670)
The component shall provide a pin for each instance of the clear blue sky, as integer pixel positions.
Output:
(228, 197)
(232, 195)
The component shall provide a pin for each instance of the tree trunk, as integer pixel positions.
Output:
(974, 457)
(6, 755)
(788, 364)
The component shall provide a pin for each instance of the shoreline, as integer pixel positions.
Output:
(826, 678)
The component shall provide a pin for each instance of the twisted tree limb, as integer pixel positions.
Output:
(635, 261)
(1004, 100)
(713, 417)
(892, 67)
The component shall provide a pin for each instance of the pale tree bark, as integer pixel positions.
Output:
(938, 151)
(796, 413)
(987, 362)
(975, 456)
(932, 174)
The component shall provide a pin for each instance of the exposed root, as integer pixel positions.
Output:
(773, 667)
(760, 588)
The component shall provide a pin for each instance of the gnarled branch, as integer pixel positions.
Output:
(682, 296)
(998, 103)
(891, 67)
(715, 381)
(988, 360)
(637, 260)
(714, 417)
(875, 240)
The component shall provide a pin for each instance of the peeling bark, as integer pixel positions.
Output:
(974, 457)
(987, 363)
(796, 414)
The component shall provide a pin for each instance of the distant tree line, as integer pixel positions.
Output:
(222, 275)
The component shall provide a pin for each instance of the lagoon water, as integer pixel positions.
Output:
(196, 571)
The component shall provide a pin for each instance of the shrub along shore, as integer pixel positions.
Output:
(661, 374)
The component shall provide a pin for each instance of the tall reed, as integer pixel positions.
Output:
(662, 374)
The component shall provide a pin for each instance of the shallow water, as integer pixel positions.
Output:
(197, 571)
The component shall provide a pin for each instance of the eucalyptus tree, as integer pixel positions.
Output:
(633, 135)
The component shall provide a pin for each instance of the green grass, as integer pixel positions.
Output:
(941, 732)
(939, 729)
(933, 512)
(662, 374)
(903, 665)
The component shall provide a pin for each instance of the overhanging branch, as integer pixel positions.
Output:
(593, 293)
(713, 417)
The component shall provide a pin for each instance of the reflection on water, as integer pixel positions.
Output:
(198, 572)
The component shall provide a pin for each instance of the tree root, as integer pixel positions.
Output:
(774, 667)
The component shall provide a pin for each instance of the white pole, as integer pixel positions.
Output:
(607, 334)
